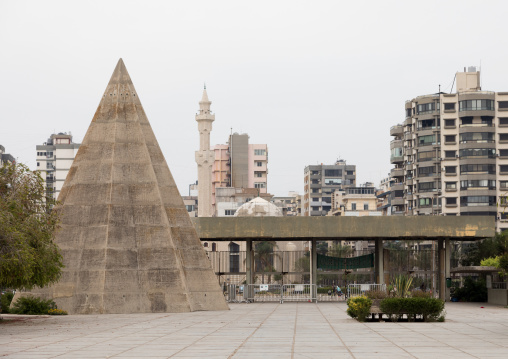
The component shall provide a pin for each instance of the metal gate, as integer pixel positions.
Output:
(279, 293)
(355, 290)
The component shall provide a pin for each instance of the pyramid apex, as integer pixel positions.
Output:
(120, 75)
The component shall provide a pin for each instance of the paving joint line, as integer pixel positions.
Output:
(251, 334)
(336, 333)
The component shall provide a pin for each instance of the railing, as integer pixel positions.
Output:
(477, 125)
(355, 290)
(499, 285)
(275, 293)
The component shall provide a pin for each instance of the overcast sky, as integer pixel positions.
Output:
(315, 80)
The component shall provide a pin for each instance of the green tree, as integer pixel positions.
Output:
(28, 255)
(264, 256)
(489, 247)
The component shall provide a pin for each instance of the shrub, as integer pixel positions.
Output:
(5, 302)
(472, 291)
(402, 286)
(429, 308)
(359, 307)
(376, 294)
(57, 312)
(32, 306)
(417, 293)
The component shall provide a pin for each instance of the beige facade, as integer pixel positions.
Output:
(355, 201)
(54, 159)
(450, 155)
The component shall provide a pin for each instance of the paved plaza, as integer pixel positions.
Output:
(258, 330)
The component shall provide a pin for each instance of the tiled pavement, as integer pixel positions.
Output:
(264, 330)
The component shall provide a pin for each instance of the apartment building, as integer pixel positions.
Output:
(321, 181)
(355, 201)
(5, 157)
(450, 154)
(240, 165)
(54, 159)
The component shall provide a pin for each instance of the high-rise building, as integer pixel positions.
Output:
(54, 159)
(450, 155)
(239, 165)
(5, 157)
(321, 181)
(205, 157)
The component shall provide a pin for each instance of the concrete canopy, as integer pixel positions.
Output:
(127, 240)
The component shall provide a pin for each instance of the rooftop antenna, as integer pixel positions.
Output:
(481, 77)
(205, 85)
(453, 82)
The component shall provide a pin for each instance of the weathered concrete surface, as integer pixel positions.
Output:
(260, 330)
(127, 240)
(466, 228)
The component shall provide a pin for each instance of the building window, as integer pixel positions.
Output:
(408, 112)
(350, 173)
(315, 190)
(427, 108)
(503, 104)
(190, 207)
(490, 169)
(450, 154)
(451, 200)
(503, 137)
(451, 185)
(449, 138)
(49, 165)
(38, 164)
(450, 169)
(503, 184)
(229, 212)
(503, 168)
(214, 247)
(259, 185)
(333, 181)
(205, 244)
(469, 201)
(258, 174)
(503, 120)
(477, 105)
(259, 152)
(259, 164)
(478, 137)
(449, 123)
(478, 153)
(427, 171)
(426, 156)
(426, 140)
(353, 206)
(333, 173)
(449, 106)
(503, 153)
(365, 206)
(427, 187)
(466, 184)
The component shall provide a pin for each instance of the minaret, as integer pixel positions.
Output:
(205, 157)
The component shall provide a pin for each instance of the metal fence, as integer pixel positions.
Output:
(270, 293)
(498, 285)
(355, 290)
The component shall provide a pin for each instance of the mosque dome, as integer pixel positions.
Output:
(258, 207)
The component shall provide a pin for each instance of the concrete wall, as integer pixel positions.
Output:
(498, 296)
(329, 227)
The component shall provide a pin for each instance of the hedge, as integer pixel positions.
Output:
(431, 309)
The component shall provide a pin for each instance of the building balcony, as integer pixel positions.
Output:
(397, 201)
(396, 130)
(397, 172)
(396, 159)
(397, 186)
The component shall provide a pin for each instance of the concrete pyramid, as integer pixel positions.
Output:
(127, 240)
